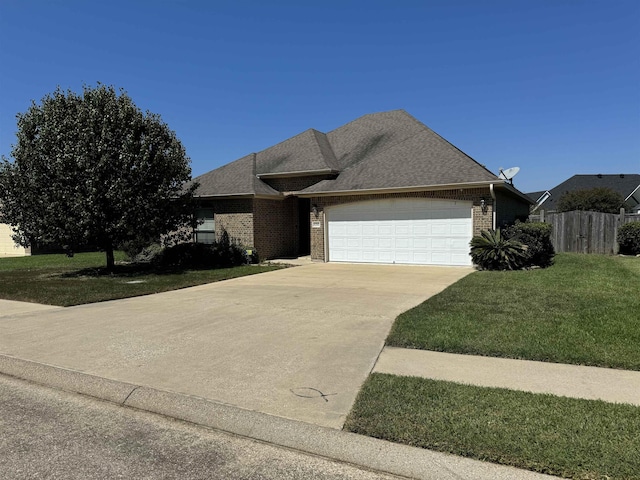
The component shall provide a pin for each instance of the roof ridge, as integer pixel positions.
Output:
(363, 116)
(285, 140)
(605, 175)
(332, 162)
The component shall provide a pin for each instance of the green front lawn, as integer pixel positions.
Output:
(585, 310)
(582, 439)
(64, 281)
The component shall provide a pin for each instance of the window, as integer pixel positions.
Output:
(205, 231)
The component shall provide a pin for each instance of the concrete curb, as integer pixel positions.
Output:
(334, 444)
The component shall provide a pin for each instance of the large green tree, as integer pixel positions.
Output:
(597, 199)
(93, 169)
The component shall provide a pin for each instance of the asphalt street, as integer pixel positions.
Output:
(51, 434)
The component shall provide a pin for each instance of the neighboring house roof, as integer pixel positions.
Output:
(379, 151)
(534, 196)
(624, 184)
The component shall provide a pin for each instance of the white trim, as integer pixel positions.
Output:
(631, 194)
(414, 188)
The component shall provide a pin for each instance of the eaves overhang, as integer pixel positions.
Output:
(413, 188)
(503, 184)
(233, 196)
(300, 173)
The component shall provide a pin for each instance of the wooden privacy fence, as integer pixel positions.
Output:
(585, 232)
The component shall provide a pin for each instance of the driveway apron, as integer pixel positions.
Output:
(296, 343)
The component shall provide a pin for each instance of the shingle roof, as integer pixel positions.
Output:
(394, 150)
(534, 196)
(376, 151)
(624, 184)
(235, 178)
(308, 151)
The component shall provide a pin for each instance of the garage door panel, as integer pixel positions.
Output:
(459, 229)
(354, 255)
(338, 255)
(440, 229)
(385, 242)
(404, 257)
(404, 242)
(421, 243)
(439, 243)
(370, 229)
(338, 242)
(386, 256)
(385, 228)
(369, 242)
(339, 229)
(403, 229)
(459, 244)
(419, 231)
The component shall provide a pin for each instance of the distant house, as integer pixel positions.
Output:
(627, 185)
(8, 247)
(383, 188)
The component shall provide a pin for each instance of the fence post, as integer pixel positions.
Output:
(541, 216)
(620, 222)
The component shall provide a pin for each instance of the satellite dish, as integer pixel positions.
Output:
(509, 173)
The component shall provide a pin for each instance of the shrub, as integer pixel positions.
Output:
(491, 251)
(597, 199)
(227, 253)
(221, 254)
(149, 254)
(186, 255)
(537, 237)
(629, 238)
(132, 248)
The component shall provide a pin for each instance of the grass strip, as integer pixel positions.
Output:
(60, 280)
(574, 438)
(582, 310)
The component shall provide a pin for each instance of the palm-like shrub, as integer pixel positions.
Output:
(491, 251)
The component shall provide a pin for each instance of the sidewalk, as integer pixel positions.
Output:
(367, 452)
(592, 383)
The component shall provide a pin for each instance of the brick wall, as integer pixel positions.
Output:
(235, 217)
(276, 227)
(481, 221)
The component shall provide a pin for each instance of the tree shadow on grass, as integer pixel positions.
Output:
(127, 270)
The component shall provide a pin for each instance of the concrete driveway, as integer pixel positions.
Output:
(296, 343)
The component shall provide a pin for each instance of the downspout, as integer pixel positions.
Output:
(493, 206)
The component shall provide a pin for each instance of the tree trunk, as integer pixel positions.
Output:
(110, 260)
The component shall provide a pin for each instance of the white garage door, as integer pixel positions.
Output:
(416, 231)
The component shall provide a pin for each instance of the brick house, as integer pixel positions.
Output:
(383, 188)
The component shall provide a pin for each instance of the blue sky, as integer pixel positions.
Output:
(551, 86)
